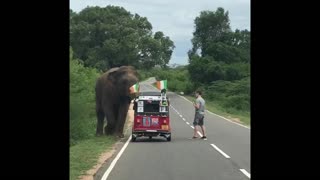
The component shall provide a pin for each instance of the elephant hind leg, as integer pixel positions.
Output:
(109, 129)
(100, 117)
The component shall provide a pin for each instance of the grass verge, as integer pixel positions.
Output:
(85, 154)
(243, 117)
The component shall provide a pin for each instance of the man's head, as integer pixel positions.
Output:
(198, 93)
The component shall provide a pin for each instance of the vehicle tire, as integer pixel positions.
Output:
(133, 139)
(150, 137)
(169, 138)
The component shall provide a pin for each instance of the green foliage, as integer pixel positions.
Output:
(82, 101)
(230, 94)
(225, 55)
(144, 74)
(223, 68)
(178, 79)
(105, 37)
(210, 27)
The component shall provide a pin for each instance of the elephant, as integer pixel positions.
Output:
(113, 99)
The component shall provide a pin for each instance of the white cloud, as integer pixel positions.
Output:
(175, 18)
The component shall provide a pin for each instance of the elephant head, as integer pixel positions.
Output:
(123, 78)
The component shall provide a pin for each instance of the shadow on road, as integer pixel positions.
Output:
(162, 140)
(146, 139)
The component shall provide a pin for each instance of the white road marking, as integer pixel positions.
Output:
(245, 173)
(188, 123)
(220, 151)
(192, 127)
(200, 134)
(184, 119)
(106, 174)
(176, 111)
(217, 114)
(185, 99)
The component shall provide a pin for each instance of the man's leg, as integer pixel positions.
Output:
(203, 131)
(202, 127)
(195, 131)
(195, 125)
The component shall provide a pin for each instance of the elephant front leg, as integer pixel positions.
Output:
(122, 115)
(110, 127)
(100, 118)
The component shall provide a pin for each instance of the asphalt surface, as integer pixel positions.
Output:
(225, 155)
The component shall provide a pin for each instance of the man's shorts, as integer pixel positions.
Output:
(198, 119)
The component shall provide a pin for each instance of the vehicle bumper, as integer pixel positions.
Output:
(151, 133)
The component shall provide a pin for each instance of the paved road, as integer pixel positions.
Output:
(225, 155)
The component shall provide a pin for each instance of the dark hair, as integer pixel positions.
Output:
(199, 92)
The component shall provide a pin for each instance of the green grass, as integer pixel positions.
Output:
(217, 109)
(84, 155)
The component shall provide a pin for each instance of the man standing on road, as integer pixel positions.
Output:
(199, 106)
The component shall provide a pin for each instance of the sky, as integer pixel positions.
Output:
(175, 18)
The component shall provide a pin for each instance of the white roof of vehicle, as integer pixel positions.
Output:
(153, 98)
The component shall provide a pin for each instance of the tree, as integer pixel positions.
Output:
(220, 60)
(164, 50)
(111, 36)
(218, 53)
(210, 27)
(72, 14)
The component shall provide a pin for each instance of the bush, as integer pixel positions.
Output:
(142, 75)
(82, 100)
(178, 79)
(238, 102)
(232, 95)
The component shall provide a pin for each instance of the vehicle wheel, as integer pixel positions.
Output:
(133, 139)
(169, 138)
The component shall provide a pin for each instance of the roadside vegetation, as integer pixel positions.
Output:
(218, 64)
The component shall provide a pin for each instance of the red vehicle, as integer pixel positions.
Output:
(151, 116)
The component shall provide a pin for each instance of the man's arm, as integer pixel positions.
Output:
(196, 104)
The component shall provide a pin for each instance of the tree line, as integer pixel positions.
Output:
(106, 37)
